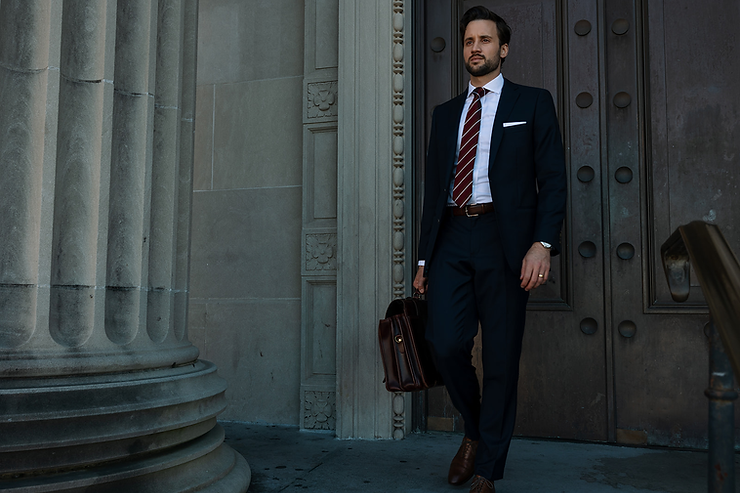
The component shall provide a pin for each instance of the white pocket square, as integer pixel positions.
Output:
(512, 124)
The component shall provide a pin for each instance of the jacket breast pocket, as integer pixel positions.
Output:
(516, 130)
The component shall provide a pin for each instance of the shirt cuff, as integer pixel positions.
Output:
(421, 263)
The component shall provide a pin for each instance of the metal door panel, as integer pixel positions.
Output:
(687, 166)
(563, 384)
(693, 75)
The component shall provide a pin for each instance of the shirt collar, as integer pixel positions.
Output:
(496, 85)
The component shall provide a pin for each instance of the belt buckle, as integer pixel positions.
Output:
(467, 214)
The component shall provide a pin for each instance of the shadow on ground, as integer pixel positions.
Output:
(284, 459)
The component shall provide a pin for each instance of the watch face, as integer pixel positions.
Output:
(546, 245)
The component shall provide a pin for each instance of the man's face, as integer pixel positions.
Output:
(481, 49)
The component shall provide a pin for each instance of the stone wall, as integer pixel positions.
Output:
(300, 234)
(245, 305)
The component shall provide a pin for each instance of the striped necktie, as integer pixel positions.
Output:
(463, 184)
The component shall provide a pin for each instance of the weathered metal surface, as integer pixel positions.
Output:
(676, 178)
(721, 394)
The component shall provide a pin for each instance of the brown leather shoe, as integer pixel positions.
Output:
(482, 485)
(463, 465)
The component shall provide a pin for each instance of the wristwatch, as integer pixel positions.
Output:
(546, 245)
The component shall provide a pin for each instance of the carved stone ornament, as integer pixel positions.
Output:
(322, 99)
(321, 252)
(398, 100)
(319, 411)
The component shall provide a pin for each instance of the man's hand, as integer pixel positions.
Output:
(535, 267)
(420, 282)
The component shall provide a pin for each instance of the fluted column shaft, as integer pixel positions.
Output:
(164, 169)
(97, 174)
(78, 173)
(24, 40)
(185, 170)
(131, 158)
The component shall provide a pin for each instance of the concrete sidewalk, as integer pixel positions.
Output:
(285, 459)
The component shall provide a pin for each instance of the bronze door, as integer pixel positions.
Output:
(648, 95)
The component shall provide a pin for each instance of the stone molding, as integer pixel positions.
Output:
(399, 190)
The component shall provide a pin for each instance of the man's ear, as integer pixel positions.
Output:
(504, 51)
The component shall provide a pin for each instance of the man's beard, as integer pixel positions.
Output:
(486, 68)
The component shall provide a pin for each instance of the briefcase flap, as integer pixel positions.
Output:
(411, 307)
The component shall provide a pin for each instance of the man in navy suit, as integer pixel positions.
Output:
(486, 242)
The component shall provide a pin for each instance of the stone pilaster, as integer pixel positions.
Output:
(319, 235)
(100, 389)
(372, 221)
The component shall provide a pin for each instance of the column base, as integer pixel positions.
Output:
(148, 431)
(204, 464)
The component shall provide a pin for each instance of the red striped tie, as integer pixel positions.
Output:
(463, 189)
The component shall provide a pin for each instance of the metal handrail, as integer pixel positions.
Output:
(718, 271)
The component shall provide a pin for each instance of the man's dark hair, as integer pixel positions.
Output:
(481, 13)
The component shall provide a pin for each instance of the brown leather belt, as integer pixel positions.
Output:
(472, 210)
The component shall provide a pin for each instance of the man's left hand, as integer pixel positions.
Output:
(535, 267)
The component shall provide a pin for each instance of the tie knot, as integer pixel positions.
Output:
(479, 91)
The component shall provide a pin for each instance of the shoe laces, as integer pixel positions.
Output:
(478, 483)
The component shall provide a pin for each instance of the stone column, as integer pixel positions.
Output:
(372, 172)
(100, 389)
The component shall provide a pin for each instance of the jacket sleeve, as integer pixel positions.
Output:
(549, 160)
(432, 188)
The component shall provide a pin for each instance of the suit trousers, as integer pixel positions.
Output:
(470, 282)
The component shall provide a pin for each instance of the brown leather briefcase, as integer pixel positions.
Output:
(407, 358)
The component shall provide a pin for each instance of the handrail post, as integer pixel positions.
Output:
(718, 270)
(721, 395)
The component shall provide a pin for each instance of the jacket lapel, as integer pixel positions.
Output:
(509, 95)
(451, 132)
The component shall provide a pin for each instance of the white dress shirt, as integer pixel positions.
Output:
(489, 104)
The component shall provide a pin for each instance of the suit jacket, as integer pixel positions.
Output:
(526, 171)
